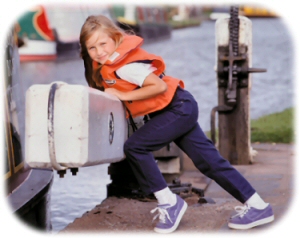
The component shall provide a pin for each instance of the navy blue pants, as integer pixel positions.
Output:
(178, 122)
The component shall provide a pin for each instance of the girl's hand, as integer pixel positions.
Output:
(115, 92)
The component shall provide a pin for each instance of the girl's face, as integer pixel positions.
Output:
(100, 46)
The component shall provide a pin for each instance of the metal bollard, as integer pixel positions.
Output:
(234, 52)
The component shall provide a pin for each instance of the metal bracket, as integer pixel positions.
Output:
(51, 142)
(231, 66)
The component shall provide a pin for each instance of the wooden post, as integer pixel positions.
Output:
(234, 126)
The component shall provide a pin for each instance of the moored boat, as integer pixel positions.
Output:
(27, 190)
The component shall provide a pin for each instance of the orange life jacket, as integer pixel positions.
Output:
(129, 51)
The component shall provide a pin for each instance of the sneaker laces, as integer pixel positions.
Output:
(241, 210)
(162, 214)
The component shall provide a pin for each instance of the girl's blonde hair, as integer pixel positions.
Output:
(91, 25)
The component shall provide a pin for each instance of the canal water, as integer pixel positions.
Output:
(189, 55)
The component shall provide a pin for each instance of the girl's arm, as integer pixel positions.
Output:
(151, 87)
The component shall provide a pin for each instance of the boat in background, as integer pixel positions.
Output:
(149, 22)
(38, 38)
(27, 190)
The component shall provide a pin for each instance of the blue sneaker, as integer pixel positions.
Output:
(169, 216)
(249, 217)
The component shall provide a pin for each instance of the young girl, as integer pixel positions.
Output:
(115, 63)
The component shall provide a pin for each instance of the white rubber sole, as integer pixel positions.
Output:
(174, 227)
(251, 225)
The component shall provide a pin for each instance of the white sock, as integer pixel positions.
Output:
(257, 202)
(165, 196)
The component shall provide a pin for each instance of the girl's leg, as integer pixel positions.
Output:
(208, 160)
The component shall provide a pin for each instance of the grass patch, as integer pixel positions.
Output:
(276, 127)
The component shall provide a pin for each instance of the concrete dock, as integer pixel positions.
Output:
(271, 174)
